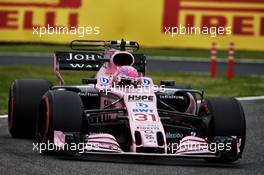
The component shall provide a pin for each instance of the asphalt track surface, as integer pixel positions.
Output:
(241, 68)
(17, 157)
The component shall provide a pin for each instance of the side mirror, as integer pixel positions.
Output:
(89, 81)
(167, 83)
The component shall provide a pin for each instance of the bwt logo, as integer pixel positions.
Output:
(143, 110)
(104, 81)
(141, 105)
(12, 16)
(242, 17)
(140, 98)
(146, 82)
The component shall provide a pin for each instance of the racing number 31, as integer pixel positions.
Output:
(145, 117)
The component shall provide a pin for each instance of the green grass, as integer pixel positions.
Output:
(32, 48)
(172, 52)
(239, 86)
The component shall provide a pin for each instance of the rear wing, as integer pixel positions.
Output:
(89, 61)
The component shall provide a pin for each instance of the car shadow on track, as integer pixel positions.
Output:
(148, 161)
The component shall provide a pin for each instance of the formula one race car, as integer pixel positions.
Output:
(121, 112)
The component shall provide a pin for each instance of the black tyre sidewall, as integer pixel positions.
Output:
(24, 99)
(65, 114)
(227, 119)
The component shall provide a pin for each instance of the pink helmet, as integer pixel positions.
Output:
(125, 75)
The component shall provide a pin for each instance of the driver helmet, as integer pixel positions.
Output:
(126, 75)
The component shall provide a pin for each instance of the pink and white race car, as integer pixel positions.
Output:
(120, 112)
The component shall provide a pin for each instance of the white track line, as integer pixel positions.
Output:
(250, 98)
(239, 98)
(3, 116)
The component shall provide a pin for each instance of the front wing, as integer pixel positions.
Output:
(102, 145)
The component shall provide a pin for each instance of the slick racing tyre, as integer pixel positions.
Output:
(24, 99)
(225, 119)
(59, 111)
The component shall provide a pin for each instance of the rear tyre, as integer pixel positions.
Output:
(59, 111)
(226, 119)
(24, 99)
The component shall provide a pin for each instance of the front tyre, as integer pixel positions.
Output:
(225, 118)
(24, 99)
(59, 111)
